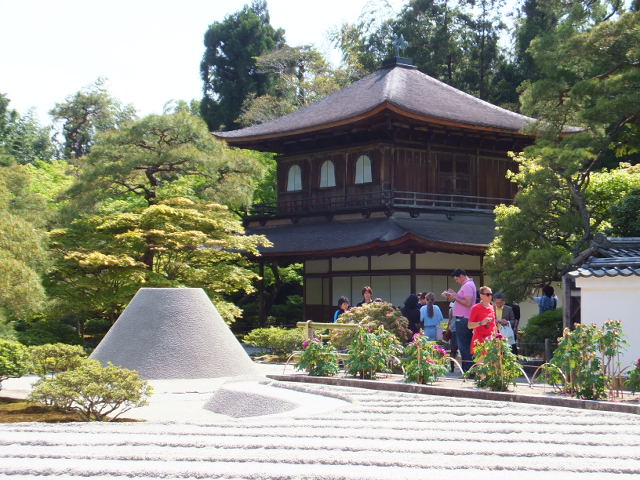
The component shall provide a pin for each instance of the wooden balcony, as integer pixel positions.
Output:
(382, 200)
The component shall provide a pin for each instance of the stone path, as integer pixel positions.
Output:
(377, 435)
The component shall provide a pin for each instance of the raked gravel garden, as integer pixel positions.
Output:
(334, 433)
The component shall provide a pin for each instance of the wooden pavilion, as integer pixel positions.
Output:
(390, 182)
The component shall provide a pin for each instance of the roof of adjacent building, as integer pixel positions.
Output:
(609, 257)
(401, 88)
(459, 233)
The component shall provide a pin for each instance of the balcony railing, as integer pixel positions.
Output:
(389, 200)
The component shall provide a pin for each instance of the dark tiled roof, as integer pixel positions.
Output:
(403, 87)
(616, 247)
(610, 257)
(321, 236)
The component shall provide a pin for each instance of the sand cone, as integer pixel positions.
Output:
(173, 333)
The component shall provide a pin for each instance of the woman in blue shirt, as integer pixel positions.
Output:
(343, 306)
(431, 316)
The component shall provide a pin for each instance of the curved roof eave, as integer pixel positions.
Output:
(386, 105)
(406, 240)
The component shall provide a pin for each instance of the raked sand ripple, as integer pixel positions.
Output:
(377, 435)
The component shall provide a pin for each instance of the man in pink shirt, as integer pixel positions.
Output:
(464, 299)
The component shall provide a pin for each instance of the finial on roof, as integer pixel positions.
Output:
(400, 43)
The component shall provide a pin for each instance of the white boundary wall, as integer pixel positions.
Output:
(613, 298)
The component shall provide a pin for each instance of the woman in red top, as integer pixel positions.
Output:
(482, 319)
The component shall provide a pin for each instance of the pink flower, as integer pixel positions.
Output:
(416, 336)
(638, 363)
(440, 350)
(305, 344)
(431, 361)
(499, 336)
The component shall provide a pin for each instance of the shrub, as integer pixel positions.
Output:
(371, 352)
(586, 358)
(55, 357)
(318, 359)
(539, 327)
(371, 316)
(92, 391)
(97, 326)
(7, 331)
(42, 331)
(496, 367)
(280, 341)
(633, 382)
(423, 360)
(14, 360)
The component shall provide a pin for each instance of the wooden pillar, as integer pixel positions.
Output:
(412, 272)
(261, 300)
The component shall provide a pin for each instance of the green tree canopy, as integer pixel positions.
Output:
(228, 67)
(456, 43)
(87, 112)
(589, 79)
(301, 76)
(22, 137)
(23, 257)
(150, 211)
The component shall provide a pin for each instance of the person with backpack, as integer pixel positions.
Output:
(548, 301)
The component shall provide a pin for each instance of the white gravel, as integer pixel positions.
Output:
(332, 433)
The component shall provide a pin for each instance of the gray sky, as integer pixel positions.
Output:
(149, 50)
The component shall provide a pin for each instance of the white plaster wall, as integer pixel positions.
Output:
(391, 262)
(343, 264)
(447, 261)
(342, 287)
(613, 298)
(434, 283)
(316, 266)
(313, 291)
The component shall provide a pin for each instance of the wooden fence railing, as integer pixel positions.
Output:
(310, 327)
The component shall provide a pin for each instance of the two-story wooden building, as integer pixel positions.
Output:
(390, 182)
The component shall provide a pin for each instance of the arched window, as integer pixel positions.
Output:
(327, 174)
(363, 169)
(294, 179)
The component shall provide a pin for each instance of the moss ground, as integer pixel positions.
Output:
(14, 410)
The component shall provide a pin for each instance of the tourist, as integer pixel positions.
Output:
(453, 340)
(343, 306)
(411, 311)
(482, 319)
(548, 301)
(367, 296)
(431, 316)
(422, 299)
(463, 300)
(506, 319)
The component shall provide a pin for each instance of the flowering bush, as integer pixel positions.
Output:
(371, 316)
(318, 359)
(423, 360)
(370, 352)
(633, 382)
(496, 367)
(588, 356)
